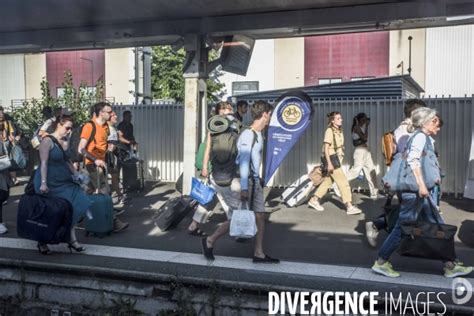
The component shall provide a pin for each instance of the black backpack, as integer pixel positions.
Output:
(75, 139)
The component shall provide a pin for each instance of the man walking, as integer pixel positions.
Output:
(94, 151)
(250, 149)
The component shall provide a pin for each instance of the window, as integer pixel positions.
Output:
(329, 80)
(87, 90)
(244, 87)
(361, 78)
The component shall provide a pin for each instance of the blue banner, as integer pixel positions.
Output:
(291, 116)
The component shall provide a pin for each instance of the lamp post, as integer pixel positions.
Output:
(409, 54)
(92, 69)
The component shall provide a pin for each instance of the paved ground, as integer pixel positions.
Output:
(294, 235)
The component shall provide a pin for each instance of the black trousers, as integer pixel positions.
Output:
(4, 195)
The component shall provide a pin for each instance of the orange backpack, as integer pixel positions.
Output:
(389, 147)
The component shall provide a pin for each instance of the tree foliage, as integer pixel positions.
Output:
(78, 101)
(167, 75)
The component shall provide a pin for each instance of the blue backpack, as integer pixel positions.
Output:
(400, 176)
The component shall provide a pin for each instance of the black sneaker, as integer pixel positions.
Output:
(266, 259)
(206, 251)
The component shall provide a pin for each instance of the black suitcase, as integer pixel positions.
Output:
(133, 174)
(44, 219)
(173, 211)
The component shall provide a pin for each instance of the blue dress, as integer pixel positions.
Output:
(60, 184)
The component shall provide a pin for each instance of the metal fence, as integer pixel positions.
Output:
(159, 130)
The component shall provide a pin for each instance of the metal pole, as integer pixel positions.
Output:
(137, 76)
(409, 54)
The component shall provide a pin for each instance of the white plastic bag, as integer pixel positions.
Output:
(242, 224)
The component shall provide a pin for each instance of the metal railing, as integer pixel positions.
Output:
(159, 130)
(21, 102)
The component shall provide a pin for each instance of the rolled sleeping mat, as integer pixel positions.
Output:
(218, 124)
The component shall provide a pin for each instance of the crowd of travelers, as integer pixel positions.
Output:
(73, 169)
(77, 161)
(240, 181)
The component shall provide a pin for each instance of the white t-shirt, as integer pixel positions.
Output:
(113, 135)
(402, 135)
(47, 125)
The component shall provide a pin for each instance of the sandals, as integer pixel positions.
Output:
(197, 232)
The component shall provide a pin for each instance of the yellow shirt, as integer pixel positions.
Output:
(334, 135)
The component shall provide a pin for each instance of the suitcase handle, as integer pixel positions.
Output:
(97, 191)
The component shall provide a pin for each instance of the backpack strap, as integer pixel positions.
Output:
(92, 137)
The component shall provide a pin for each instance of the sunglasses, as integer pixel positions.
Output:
(68, 128)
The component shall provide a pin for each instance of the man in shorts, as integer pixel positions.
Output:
(249, 188)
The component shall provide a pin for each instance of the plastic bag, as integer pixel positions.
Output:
(243, 224)
(201, 192)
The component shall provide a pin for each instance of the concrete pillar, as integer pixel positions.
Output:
(147, 97)
(194, 101)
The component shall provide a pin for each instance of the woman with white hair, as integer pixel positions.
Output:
(424, 123)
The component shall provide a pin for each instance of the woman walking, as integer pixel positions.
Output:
(362, 157)
(55, 178)
(424, 123)
(5, 179)
(333, 153)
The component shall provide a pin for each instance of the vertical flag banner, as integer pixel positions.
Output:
(291, 116)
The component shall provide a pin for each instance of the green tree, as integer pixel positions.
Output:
(29, 116)
(167, 75)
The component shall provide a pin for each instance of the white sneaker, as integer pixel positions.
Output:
(353, 210)
(3, 228)
(376, 196)
(371, 233)
(316, 205)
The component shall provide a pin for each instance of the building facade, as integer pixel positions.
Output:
(442, 63)
(441, 59)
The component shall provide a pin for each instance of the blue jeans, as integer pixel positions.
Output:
(413, 207)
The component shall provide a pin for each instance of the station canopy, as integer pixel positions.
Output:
(52, 25)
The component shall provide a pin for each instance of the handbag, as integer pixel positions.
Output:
(5, 161)
(316, 175)
(201, 191)
(400, 176)
(428, 240)
(242, 223)
(336, 163)
(18, 159)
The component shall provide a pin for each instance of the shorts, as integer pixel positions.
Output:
(231, 196)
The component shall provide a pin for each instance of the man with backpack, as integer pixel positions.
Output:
(247, 189)
(93, 147)
(399, 139)
(221, 127)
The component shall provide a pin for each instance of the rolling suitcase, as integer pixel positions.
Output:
(173, 211)
(133, 174)
(298, 192)
(44, 219)
(102, 211)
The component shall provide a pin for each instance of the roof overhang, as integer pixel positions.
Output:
(51, 25)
